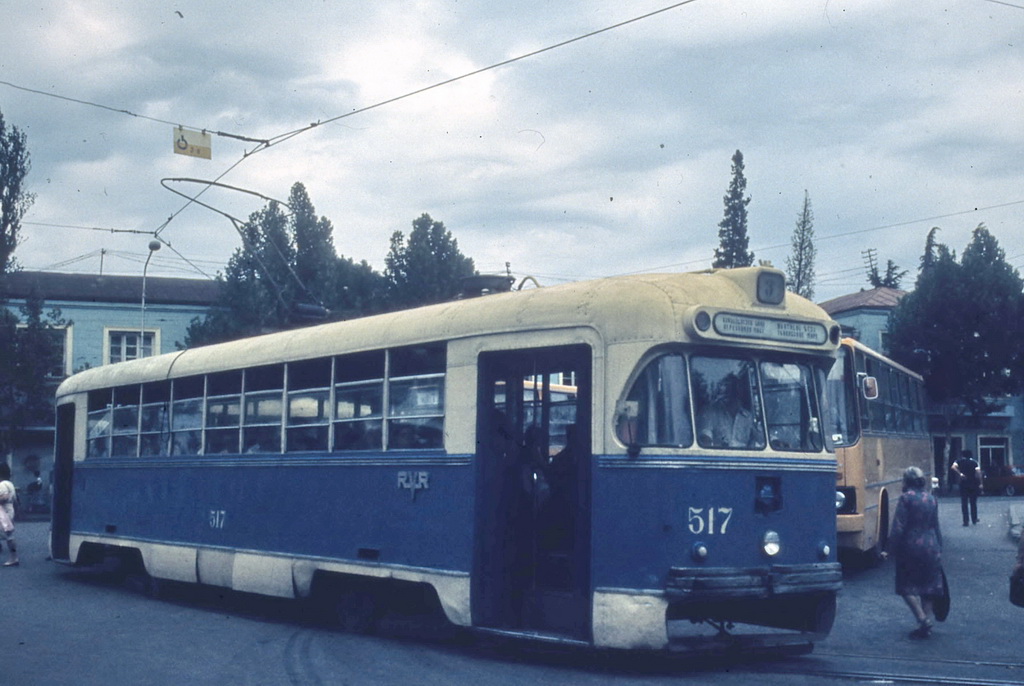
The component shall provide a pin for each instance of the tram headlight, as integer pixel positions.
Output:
(699, 551)
(840, 500)
(824, 550)
(771, 544)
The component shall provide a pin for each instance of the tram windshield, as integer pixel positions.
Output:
(724, 403)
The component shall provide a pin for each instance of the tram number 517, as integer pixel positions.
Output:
(710, 520)
(217, 518)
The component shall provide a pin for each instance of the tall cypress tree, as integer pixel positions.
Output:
(800, 265)
(732, 230)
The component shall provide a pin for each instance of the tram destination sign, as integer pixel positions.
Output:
(764, 328)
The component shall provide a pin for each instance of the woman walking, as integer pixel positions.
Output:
(916, 544)
(7, 494)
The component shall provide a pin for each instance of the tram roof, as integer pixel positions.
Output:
(621, 309)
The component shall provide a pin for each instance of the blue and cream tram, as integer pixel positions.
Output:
(632, 462)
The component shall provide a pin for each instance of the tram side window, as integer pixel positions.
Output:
(223, 412)
(359, 401)
(659, 402)
(154, 420)
(125, 439)
(309, 405)
(416, 398)
(99, 423)
(261, 430)
(726, 400)
(791, 407)
(187, 415)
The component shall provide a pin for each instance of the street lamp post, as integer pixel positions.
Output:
(154, 245)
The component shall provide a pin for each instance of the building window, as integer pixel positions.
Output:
(993, 451)
(124, 345)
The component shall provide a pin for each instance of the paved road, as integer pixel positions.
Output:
(62, 626)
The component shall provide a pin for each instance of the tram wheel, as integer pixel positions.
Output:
(356, 611)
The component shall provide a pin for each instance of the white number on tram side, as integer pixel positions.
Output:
(217, 518)
(712, 520)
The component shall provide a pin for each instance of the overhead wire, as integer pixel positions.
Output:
(128, 112)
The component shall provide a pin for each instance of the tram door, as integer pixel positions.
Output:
(531, 569)
(64, 456)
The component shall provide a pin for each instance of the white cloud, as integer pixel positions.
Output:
(606, 156)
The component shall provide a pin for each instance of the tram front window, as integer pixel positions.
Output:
(794, 422)
(659, 406)
(727, 403)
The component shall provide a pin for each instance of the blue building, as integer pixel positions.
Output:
(996, 439)
(105, 323)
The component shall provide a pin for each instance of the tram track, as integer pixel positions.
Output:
(897, 670)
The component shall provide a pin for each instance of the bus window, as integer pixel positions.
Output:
(790, 407)
(659, 402)
(726, 399)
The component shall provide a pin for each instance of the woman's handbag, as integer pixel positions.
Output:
(1017, 589)
(940, 605)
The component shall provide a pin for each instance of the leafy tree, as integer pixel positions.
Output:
(29, 353)
(429, 268)
(732, 230)
(285, 274)
(14, 199)
(800, 265)
(892, 278)
(962, 327)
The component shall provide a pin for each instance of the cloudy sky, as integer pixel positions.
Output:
(607, 155)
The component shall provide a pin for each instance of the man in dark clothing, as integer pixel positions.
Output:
(970, 485)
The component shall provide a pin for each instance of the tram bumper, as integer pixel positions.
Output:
(797, 600)
(710, 584)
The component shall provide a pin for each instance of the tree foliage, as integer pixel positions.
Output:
(28, 349)
(892, 278)
(285, 274)
(28, 355)
(963, 325)
(428, 268)
(732, 230)
(287, 267)
(800, 265)
(15, 163)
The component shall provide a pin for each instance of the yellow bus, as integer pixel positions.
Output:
(879, 429)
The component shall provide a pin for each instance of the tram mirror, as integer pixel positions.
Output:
(869, 386)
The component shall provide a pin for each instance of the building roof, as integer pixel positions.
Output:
(877, 298)
(54, 286)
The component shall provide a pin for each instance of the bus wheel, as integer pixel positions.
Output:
(1010, 490)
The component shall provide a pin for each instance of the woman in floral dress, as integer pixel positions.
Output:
(915, 543)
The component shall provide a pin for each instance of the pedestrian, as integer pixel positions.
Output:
(970, 485)
(915, 543)
(7, 495)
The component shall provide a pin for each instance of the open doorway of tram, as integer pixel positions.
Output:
(533, 448)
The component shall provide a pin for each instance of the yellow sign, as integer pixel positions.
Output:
(192, 143)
